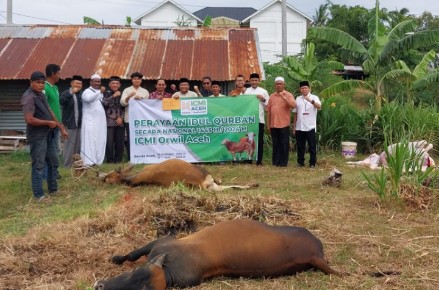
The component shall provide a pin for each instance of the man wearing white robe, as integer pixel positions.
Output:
(94, 124)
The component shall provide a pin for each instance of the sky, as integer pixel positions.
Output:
(116, 11)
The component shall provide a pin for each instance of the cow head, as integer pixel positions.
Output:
(225, 141)
(116, 176)
(149, 277)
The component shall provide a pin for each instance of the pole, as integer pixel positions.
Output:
(9, 12)
(284, 28)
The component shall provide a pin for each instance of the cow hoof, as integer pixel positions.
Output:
(118, 260)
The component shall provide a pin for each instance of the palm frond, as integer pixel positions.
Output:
(401, 29)
(422, 69)
(427, 80)
(400, 75)
(338, 37)
(345, 86)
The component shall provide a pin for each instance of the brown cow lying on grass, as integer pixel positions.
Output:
(170, 172)
(238, 248)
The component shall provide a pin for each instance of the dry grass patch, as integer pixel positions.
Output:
(360, 233)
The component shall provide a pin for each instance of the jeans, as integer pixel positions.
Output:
(43, 151)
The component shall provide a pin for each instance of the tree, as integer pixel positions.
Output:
(90, 21)
(322, 14)
(128, 21)
(183, 22)
(419, 78)
(307, 67)
(384, 48)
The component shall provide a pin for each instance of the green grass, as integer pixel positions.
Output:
(66, 244)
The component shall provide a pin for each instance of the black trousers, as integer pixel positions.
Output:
(115, 144)
(260, 143)
(127, 144)
(303, 137)
(281, 143)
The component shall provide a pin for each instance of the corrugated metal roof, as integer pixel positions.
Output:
(169, 53)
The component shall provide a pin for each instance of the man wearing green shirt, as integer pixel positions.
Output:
(53, 72)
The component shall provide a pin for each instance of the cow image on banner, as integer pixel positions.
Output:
(196, 132)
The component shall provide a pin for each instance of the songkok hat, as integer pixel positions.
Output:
(184, 80)
(254, 76)
(279, 79)
(303, 84)
(37, 76)
(77, 78)
(95, 76)
(216, 83)
(136, 75)
(114, 78)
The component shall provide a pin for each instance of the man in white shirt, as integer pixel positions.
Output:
(136, 92)
(305, 124)
(263, 97)
(216, 90)
(184, 90)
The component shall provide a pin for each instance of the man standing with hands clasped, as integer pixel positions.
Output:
(278, 120)
(40, 132)
(305, 123)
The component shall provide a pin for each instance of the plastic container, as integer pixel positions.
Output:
(348, 149)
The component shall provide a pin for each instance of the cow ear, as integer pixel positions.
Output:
(158, 260)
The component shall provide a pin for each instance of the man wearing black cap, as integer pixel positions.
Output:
(40, 135)
(263, 97)
(216, 89)
(305, 124)
(71, 105)
(115, 126)
(184, 90)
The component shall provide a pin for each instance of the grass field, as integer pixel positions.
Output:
(65, 244)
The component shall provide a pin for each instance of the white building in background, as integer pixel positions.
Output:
(268, 21)
(166, 14)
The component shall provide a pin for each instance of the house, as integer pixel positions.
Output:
(167, 14)
(168, 53)
(268, 22)
(220, 15)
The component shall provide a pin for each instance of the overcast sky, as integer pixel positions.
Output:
(115, 11)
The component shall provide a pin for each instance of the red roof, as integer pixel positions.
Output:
(169, 53)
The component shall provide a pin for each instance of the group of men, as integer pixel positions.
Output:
(94, 122)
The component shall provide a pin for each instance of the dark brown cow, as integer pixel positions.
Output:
(238, 248)
(169, 172)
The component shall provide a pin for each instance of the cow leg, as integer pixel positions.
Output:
(322, 265)
(136, 254)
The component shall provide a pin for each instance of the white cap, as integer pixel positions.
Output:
(95, 76)
(279, 79)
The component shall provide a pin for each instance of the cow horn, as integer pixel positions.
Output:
(158, 260)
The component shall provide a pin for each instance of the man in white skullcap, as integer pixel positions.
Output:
(278, 120)
(94, 123)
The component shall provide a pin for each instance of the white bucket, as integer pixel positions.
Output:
(348, 149)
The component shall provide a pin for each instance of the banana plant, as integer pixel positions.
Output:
(384, 49)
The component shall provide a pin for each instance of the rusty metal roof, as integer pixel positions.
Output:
(169, 53)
